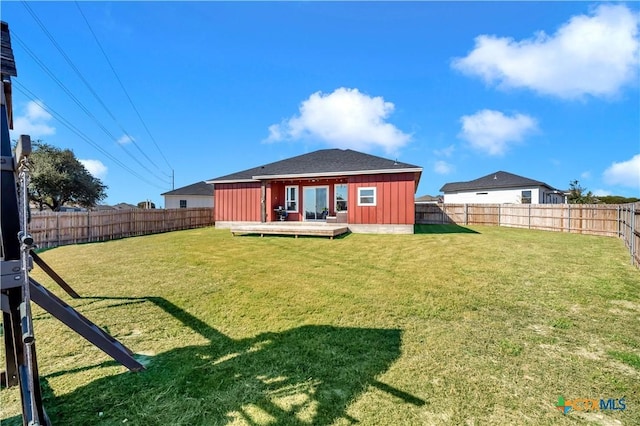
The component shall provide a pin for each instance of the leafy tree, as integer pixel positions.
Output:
(58, 178)
(617, 199)
(580, 195)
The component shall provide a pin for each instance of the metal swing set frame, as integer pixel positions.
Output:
(18, 289)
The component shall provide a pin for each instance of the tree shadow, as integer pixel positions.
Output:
(305, 375)
(448, 228)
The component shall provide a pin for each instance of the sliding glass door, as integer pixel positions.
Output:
(315, 202)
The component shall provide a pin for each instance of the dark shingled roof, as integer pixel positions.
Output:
(7, 62)
(317, 163)
(497, 180)
(200, 188)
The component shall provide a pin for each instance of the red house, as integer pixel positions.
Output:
(369, 193)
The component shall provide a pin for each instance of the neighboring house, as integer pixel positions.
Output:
(199, 194)
(429, 199)
(125, 206)
(71, 209)
(102, 208)
(119, 206)
(502, 188)
(369, 193)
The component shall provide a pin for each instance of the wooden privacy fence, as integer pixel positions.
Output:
(629, 232)
(51, 229)
(611, 220)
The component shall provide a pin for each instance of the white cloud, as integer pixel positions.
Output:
(33, 122)
(445, 152)
(625, 173)
(585, 175)
(345, 118)
(493, 132)
(594, 54)
(95, 167)
(125, 139)
(443, 168)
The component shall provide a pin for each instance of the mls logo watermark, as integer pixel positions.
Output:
(590, 404)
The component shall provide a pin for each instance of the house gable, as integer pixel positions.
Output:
(199, 194)
(199, 188)
(493, 181)
(501, 187)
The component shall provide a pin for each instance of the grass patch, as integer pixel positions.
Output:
(486, 327)
(511, 348)
(562, 323)
(628, 358)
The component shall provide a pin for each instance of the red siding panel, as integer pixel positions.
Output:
(395, 199)
(385, 201)
(237, 202)
(401, 207)
(379, 209)
(394, 203)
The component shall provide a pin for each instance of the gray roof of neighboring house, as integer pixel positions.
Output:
(119, 206)
(325, 162)
(428, 198)
(199, 188)
(497, 180)
(124, 206)
(102, 207)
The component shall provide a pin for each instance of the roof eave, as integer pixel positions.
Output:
(495, 188)
(335, 174)
(215, 181)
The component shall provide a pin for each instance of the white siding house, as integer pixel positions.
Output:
(501, 188)
(196, 195)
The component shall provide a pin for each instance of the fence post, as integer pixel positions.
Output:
(57, 228)
(529, 216)
(88, 226)
(466, 213)
(499, 215)
(569, 218)
(632, 235)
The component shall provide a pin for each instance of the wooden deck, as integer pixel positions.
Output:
(319, 229)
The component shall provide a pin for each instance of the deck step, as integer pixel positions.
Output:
(295, 229)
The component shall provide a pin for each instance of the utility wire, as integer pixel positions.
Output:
(84, 80)
(106, 57)
(80, 105)
(29, 94)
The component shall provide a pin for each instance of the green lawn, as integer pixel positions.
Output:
(441, 327)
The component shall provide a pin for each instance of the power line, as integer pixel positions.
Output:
(86, 83)
(121, 84)
(46, 69)
(29, 94)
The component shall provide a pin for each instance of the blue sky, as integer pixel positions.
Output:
(546, 90)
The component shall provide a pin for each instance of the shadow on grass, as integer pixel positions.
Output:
(449, 228)
(306, 375)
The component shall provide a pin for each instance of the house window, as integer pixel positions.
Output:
(183, 204)
(291, 198)
(366, 196)
(341, 197)
(526, 197)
